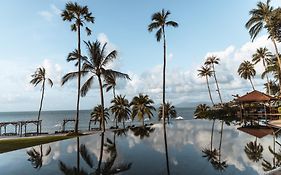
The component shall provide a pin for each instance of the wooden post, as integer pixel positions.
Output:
(5, 128)
(63, 125)
(25, 129)
(90, 125)
(0, 130)
(40, 122)
(15, 129)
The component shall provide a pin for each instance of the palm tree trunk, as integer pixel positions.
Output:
(79, 81)
(142, 122)
(268, 85)
(212, 134)
(41, 103)
(209, 91)
(252, 83)
(78, 154)
(278, 59)
(220, 141)
(123, 123)
(116, 122)
(218, 89)
(164, 102)
(102, 104)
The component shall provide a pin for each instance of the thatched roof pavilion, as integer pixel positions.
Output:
(255, 96)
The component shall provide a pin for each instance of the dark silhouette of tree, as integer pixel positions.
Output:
(170, 111)
(95, 66)
(121, 109)
(40, 77)
(36, 157)
(98, 113)
(247, 71)
(211, 61)
(141, 107)
(79, 15)
(206, 72)
(254, 151)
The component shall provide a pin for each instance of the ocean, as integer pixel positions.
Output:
(52, 120)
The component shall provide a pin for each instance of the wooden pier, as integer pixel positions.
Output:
(19, 125)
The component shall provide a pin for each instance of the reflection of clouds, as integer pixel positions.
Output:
(198, 133)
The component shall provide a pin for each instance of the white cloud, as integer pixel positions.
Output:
(51, 13)
(184, 85)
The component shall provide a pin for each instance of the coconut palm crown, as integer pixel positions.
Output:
(246, 70)
(141, 107)
(170, 111)
(121, 109)
(95, 65)
(206, 72)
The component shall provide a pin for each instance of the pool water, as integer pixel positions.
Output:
(141, 151)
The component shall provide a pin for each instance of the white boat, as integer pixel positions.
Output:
(179, 118)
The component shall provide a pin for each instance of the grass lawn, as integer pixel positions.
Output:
(7, 145)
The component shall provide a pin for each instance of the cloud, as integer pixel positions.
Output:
(51, 13)
(184, 85)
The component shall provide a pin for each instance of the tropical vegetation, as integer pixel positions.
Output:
(40, 77)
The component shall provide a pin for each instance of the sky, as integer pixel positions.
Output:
(33, 34)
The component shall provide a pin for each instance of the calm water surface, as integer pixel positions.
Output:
(141, 151)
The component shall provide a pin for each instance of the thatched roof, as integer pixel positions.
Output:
(257, 132)
(255, 96)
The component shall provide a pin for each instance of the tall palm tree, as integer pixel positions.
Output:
(99, 114)
(159, 22)
(201, 111)
(38, 77)
(254, 151)
(36, 157)
(110, 83)
(96, 66)
(264, 55)
(141, 106)
(260, 18)
(170, 111)
(121, 109)
(246, 70)
(211, 61)
(79, 15)
(206, 72)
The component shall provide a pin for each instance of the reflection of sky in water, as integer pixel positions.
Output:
(186, 139)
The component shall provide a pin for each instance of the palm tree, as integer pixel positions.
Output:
(110, 83)
(260, 18)
(246, 70)
(38, 77)
(79, 15)
(262, 54)
(211, 61)
(121, 109)
(206, 72)
(95, 65)
(274, 88)
(36, 157)
(141, 106)
(99, 114)
(170, 111)
(159, 22)
(201, 111)
(254, 151)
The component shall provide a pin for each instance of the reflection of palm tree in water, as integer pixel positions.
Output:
(254, 151)
(211, 153)
(142, 131)
(36, 157)
(106, 168)
(276, 160)
(216, 161)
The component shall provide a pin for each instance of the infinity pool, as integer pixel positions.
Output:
(141, 151)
